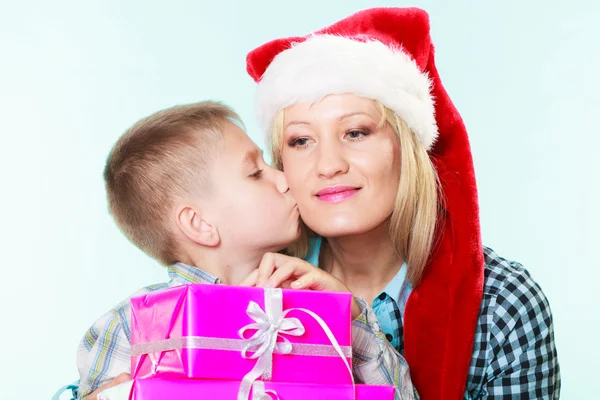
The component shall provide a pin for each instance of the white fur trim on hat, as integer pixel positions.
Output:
(328, 64)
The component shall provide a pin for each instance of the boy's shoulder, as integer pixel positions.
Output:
(118, 319)
(104, 350)
(122, 311)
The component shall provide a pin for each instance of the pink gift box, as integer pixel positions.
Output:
(190, 389)
(196, 330)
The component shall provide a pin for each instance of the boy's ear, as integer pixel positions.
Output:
(196, 229)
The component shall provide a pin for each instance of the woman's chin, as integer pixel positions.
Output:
(334, 228)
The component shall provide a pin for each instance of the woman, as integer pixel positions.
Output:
(379, 161)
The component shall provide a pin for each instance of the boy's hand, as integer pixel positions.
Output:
(116, 381)
(279, 270)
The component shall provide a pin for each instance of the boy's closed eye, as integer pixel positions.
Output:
(256, 174)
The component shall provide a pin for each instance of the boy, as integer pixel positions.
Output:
(189, 188)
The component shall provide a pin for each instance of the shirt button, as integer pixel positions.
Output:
(382, 296)
(389, 337)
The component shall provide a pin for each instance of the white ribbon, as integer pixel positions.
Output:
(269, 325)
(259, 392)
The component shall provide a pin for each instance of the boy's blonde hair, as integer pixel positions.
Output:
(412, 224)
(161, 158)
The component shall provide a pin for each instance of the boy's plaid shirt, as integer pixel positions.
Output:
(105, 350)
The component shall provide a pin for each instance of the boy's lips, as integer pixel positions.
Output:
(336, 194)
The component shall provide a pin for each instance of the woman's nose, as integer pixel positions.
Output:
(330, 160)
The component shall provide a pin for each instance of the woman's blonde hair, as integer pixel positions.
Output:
(412, 224)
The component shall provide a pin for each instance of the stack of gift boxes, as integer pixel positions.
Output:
(222, 342)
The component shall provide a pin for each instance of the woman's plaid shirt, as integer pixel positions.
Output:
(514, 355)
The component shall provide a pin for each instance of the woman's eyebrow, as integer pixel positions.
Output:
(340, 118)
(297, 123)
(352, 114)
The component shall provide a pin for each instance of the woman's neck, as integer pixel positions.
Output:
(366, 263)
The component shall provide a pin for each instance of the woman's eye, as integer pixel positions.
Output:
(357, 134)
(298, 142)
(257, 174)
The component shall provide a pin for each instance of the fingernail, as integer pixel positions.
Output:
(296, 284)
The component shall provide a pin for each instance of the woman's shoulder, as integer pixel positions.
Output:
(510, 293)
(503, 276)
(514, 340)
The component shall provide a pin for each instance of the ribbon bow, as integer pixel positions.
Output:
(269, 325)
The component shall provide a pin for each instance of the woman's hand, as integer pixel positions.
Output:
(279, 270)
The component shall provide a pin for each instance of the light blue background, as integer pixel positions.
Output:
(74, 75)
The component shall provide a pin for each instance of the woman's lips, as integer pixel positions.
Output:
(336, 194)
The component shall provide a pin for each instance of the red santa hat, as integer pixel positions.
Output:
(386, 54)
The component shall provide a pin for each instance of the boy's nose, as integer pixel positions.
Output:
(281, 183)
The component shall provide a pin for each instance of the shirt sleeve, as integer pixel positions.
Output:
(374, 360)
(103, 354)
(521, 354)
